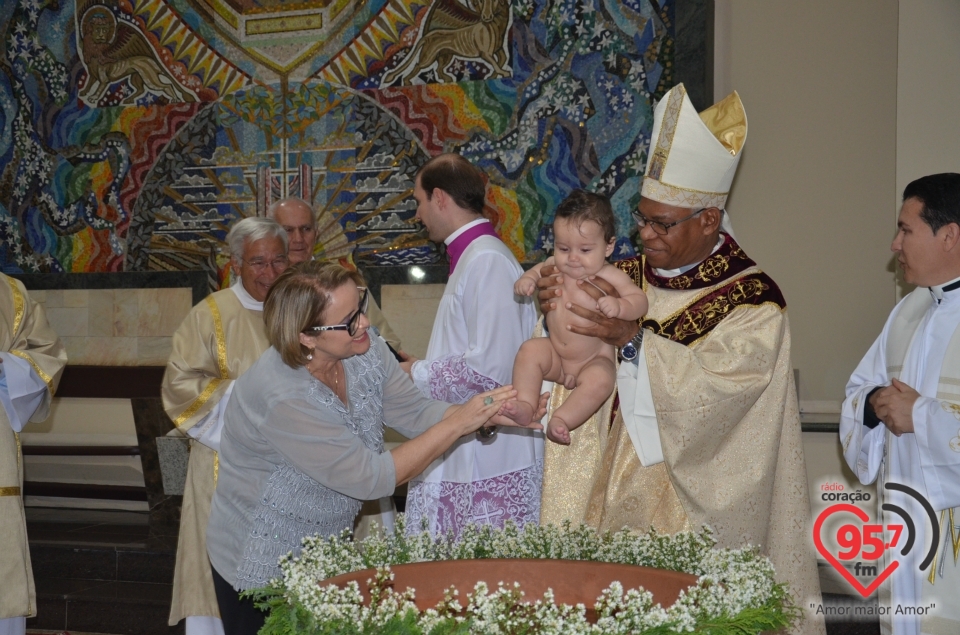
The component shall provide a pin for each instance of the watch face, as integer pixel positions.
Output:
(628, 352)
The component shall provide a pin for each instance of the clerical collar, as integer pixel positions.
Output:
(724, 263)
(458, 242)
(246, 300)
(452, 237)
(670, 273)
(938, 291)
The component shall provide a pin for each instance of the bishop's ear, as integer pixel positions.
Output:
(710, 220)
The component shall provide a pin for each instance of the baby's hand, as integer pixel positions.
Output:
(525, 286)
(609, 306)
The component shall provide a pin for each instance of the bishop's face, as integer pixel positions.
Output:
(919, 250)
(687, 243)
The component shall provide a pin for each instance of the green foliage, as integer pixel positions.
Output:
(736, 592)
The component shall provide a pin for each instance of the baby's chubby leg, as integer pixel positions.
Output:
(594, 386)
(537, 360)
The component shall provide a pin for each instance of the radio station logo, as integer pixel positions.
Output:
(860, 545)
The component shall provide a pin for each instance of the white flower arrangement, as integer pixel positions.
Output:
(736, 591)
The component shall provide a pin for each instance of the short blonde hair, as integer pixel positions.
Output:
(296, 300)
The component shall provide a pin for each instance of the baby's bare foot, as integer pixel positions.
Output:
(518, 411)
(557, 431)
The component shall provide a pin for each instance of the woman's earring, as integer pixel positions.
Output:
(310, 356)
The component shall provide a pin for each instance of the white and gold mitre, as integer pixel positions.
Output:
(693, 157)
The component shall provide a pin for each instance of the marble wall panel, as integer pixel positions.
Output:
(153, 351)
(161, 311)
(68, 322)
(411, 309)
(126, 310)
(100, 313)
(75, 297)
(53, 298)
(116, 327)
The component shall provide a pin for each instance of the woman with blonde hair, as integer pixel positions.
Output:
(302, 442)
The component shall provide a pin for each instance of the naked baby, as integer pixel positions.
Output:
(584, 238)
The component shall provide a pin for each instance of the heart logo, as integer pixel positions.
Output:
(832, 559)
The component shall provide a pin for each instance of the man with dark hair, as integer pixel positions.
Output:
(457, 177)
(477, 332)
(901, 417)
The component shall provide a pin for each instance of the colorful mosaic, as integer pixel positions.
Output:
(136, 131)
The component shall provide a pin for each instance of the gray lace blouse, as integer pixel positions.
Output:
(295, 461)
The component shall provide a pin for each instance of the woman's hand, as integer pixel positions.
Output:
(500, 419)
(478, 410)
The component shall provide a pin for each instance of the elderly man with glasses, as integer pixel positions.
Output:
(708, 428)
(218, 341)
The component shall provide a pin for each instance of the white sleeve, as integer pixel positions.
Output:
(21, 390)
(863, 447)
(207, 430)
(637, 410)
(420, 374)
(936, 425)
(495, 317)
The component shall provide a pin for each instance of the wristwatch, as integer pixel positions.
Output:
(630, 350)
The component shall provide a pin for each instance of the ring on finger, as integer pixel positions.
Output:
(487, 401)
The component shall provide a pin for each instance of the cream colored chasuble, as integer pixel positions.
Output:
(24, 333)
(217, 341)
(728, 419)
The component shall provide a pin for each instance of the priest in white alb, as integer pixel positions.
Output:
(900, 424)
(219, 339)
(479, 327)
(31, 362)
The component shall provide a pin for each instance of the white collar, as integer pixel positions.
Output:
(670, 273)
(452, 237)
(939, 291)
(245, 298)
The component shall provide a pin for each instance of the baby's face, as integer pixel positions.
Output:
(579, 250)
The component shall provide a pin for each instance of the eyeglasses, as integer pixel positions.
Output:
(259, 265)
(352, 322)
(658, 227)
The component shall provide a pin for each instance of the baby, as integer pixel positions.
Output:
(583, 239)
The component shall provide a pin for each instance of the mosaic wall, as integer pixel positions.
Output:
(136, 131)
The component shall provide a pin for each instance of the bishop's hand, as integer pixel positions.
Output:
(612, 331)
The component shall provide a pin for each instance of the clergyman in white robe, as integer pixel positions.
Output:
(478, 330)
(920, 346)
